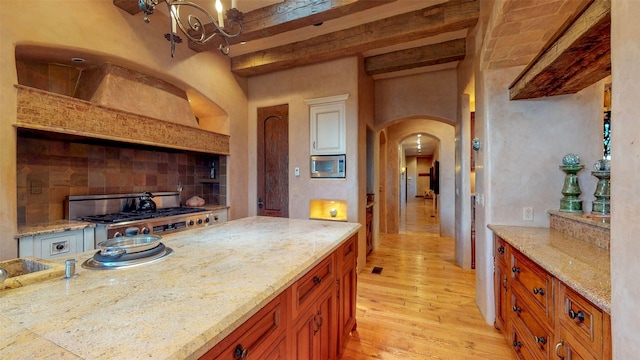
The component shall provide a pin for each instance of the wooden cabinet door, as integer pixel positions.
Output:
(303, 334)
(347, 304)
(501, 286)
(314, 335)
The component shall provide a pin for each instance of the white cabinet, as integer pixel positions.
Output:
(328, 125)
(218, 216)
(58, 245)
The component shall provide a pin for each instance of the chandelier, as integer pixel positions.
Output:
(193, 27)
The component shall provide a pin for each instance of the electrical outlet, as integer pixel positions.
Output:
(527, 213)
(297, 171)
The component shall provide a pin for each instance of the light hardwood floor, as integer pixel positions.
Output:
(422, 304)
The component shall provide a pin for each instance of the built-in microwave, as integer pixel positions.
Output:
(328, 166)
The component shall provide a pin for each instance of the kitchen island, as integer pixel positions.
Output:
(177, 308)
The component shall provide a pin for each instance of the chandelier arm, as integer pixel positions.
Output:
(194, 22)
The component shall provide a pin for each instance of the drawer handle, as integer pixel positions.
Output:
(541, 339)
(317, 280)
(538, 291)
(517, 344)
(517, 309)
(501, 249)
(240, 353)
(576, 315)
(515, 269)
(558, 346)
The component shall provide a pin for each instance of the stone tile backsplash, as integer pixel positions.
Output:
(50, 170)
(590, 230)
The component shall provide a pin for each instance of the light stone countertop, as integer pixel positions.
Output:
(582, 266)
(177, 308)
(52, 227)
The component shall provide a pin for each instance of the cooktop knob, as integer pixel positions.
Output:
(207, 220)
(191, 223)
(145, 230)
(199, 221)
(117, 234)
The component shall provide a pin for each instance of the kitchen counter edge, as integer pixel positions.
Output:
(583, 267)
(32, 343)
(52, 227)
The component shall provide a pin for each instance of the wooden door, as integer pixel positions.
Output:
(273, 161)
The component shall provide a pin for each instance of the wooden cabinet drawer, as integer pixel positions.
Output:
(569, 348)
(348, 251)
(534, 280)
(500, 250)
(582, 319)
(256, 335)
(523, 345)
(309, 287)
(533, 323)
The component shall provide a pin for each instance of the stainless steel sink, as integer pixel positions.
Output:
(29, 270)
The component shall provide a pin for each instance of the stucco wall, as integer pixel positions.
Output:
(523, 145)
(101, 28)
(293, 87)
(432, 94)
(625, 175)
(428, 96)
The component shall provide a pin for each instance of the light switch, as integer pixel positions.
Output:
(297, 171)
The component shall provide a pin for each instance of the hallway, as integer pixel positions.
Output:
(421, 306)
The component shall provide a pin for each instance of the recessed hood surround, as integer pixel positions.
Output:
(47, 111)
(120, 88)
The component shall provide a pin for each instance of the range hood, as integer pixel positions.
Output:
(118, 104)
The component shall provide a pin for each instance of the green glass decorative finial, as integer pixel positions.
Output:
(601, 206)
(571, 190)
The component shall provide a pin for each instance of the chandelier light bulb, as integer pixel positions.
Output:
(220, 13)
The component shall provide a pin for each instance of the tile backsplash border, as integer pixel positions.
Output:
(49, 170)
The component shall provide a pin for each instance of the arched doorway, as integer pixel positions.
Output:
(418, 185)
(390, 169)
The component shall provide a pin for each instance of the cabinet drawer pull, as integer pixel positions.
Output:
(515, 269)
(501, 249)
(541, 339)
(517, 309)
(517, 344)
(317, 280)
(538, 291)
(558, 346)
(240, 353)
(576, 315)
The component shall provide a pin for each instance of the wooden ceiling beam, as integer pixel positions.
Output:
(442, 18)
(290, 15)
(428, 55)
(576, 57)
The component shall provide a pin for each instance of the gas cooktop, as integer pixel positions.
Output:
(141, 215)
